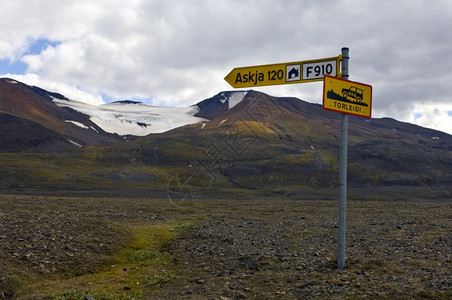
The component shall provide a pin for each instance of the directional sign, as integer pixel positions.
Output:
(284, 73)
(348, 97)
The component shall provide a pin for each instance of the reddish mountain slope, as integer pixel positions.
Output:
(32, 122)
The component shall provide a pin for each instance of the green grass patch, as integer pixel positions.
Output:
(150, 255)
(136, 270)
(159, 279)
(145, 247)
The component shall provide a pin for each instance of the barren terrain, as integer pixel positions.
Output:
(59, 247)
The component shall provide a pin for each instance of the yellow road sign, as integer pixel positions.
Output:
(348, 97)
(284, 73)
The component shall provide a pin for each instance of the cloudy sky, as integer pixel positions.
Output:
(177, 53)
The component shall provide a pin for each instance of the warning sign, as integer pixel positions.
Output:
(348, 97)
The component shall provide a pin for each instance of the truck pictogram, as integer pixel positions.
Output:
(354, 93)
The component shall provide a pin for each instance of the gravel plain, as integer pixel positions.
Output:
(262, 248)
(282, 248)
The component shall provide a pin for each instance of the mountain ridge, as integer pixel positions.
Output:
(243, 140)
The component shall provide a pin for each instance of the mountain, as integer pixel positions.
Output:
(32, 122)
(278, 141)
(241, 140)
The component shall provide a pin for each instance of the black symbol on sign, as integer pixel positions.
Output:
(293, 73)
(351, 95)
(354, 93)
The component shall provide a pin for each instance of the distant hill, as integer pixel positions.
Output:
(279, 142)
(244, 140)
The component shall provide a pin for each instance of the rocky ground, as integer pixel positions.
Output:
(240, 249)
(55, 237)
(272, 249)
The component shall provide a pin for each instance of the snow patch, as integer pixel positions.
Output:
(78, 124)
(74, 143)
(11, 81)
(236, 98)
(222, 121)
(56, 98)
(134, 118)
(233, 98)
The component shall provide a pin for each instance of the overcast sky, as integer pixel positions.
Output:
(177, 53)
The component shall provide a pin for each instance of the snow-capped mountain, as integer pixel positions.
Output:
(55, 122)
(136, 118)
(244, 139)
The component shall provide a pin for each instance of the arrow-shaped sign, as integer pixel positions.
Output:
(284, 73)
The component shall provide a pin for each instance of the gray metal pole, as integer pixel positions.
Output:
(343, 173)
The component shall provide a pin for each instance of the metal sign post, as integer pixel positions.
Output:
(343, 173)
(348, 98)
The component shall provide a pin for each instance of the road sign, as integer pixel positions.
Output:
(284, 73)
(348, 97)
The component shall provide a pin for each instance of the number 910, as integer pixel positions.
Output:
(319, 70)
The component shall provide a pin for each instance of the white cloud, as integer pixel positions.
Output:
(433, 116)
(71, 92)
(176, 53)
